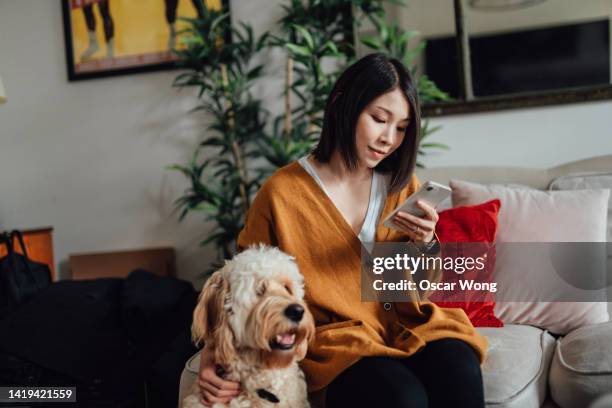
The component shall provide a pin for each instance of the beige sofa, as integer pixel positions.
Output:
(526, 366)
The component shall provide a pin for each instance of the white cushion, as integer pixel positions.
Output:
(530, 215)
(581, 370)
(515, 373)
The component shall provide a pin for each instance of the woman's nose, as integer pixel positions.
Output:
(389, 136)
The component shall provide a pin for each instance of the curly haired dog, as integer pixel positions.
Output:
(252, 315)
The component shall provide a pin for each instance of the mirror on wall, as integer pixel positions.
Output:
(502, 54)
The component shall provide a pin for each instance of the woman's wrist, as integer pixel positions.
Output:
(432, 246)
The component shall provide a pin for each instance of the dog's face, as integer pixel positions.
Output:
(255, 305)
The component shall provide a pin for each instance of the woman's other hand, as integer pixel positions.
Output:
(212, 387)
(419, 229)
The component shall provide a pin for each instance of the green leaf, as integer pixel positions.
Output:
(332, 47)
(298, 49)
(218, 21)
(435, 145)
(407, 36)
(383, 32)
(306, 35)
(372, 42)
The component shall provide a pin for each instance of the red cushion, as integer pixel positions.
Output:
(476, 223)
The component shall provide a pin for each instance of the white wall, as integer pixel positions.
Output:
(88, 157)
(540, 137)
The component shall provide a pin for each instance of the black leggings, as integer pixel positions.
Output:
(445, 373)
(107, 19)
(171, 6)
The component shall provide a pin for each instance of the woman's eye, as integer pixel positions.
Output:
(401, 129)
(377, 120)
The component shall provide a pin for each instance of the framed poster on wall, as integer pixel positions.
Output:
(116, 37)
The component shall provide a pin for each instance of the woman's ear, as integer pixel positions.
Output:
(209, 308)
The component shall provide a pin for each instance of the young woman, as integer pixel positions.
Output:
(320, 209)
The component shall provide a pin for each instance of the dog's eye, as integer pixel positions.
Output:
(288, 289)
(261, 289)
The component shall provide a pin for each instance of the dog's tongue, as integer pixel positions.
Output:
(285, 339)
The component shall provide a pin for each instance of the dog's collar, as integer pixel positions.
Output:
(267, 395)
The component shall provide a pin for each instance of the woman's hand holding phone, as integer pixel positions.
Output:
(419, 229)
(417, 216)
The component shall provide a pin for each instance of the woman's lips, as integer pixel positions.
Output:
(376, 153)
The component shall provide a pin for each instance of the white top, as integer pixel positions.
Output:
(378, 196)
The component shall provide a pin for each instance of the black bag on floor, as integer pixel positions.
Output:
(20, 277)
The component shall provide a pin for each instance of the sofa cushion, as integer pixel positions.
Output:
(515, 373)
(592, 180)
(188, 377)
(529, 215)
(581, 369)
(476, 223)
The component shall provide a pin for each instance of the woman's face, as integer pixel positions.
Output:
(381, 127)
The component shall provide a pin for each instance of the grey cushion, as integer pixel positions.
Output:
(591, 180)
(587, 181)
(189, 375)
(581, 370)
(604, 401)
(515, 373)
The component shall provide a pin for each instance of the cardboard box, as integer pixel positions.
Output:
(119, 264)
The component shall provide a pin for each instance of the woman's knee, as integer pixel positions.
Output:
(450, 371)
(460, 358)
(377, 381)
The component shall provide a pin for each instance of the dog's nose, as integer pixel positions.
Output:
(294, 312)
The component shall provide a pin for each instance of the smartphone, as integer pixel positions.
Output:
(430, 192)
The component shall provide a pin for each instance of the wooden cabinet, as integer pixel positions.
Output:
(39, 245)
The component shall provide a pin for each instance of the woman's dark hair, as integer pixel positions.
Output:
(361, 83)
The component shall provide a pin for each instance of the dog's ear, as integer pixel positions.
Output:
(210, 319)
(209, 308)
(223, 340)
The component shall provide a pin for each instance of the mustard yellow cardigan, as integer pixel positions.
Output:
(292, 212)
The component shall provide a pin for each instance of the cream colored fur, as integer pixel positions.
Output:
(240, 312)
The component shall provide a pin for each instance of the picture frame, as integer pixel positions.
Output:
(106, 38)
